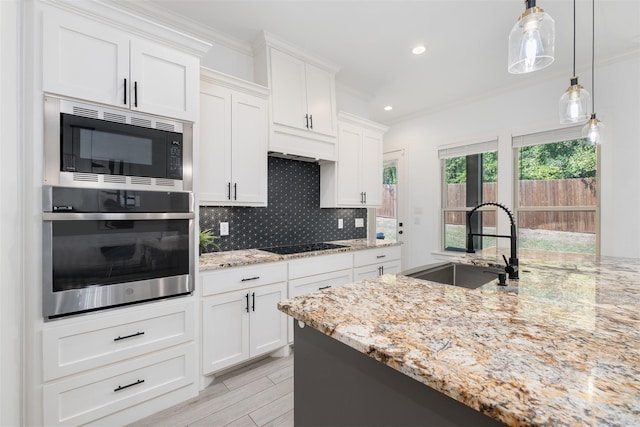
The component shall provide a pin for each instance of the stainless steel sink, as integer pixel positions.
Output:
(464, 275)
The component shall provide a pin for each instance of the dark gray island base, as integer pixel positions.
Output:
(336, 385)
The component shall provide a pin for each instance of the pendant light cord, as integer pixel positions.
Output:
(574, 38)
(593, 55)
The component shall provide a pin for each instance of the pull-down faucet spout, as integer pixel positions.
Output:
(512, 264)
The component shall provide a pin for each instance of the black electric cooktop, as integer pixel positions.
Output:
(307, 247)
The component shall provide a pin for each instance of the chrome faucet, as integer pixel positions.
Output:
(512, 263)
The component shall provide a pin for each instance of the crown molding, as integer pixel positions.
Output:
(221, 79)
(155, 12)
(110, 13)
(361, 95)
(359, 121)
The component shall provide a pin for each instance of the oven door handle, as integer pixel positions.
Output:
(114, 216)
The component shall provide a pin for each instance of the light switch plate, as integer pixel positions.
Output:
(224, 228)
(340, 223)
(359, 222)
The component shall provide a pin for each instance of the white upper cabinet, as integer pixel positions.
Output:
(355, 179)
(303, 99)
(92, 61)
(233, 141)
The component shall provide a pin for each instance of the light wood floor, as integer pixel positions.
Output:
(260, 394)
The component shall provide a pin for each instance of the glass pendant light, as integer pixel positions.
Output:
(531, 41)
(575, 100)
(593, 129)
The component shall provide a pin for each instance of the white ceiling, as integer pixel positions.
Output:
(466, 42)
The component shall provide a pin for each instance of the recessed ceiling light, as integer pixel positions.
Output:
(418, 50)
(388, 108)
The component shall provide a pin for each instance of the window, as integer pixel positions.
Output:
(557, 202)
(469, 177)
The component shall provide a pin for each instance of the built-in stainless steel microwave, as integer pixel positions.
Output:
(93, 146)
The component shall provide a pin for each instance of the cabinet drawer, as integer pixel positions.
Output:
(378, 255)
(374, 270)
(233, 279)
(320, 264)
(310, 284)
(84, 398)
(97, 340)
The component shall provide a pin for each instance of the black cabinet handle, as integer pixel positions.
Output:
(135, 94)
(122, 387)
(235, 191)
(306, 117)
(399, 231)
(365, 197)
(137, 334)
(250, 278)
(381, 256)
(125, 91)
(229, 191)
(253, 301)
(361, 198)
(380, 271)
(247, 297)
(324, 287)
(311, 120)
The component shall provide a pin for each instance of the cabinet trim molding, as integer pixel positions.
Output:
(221, 79)
(267, 39)
(110, 14)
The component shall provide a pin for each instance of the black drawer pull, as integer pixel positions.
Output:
(250, 278)
(324, 287)
(381, 256)
(253, 301)
(247, 297)
(129, 336)
(121, 387)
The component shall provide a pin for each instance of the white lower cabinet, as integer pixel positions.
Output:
(106, 367)
(372, 263)
(243, 321)
(308, 275)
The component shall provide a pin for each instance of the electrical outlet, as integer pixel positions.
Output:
(224, 228)
(359, 222)
(340, 223)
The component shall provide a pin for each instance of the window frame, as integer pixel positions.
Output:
(551, 137)
(466, 150)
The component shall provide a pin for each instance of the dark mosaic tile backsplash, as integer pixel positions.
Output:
(293, 215)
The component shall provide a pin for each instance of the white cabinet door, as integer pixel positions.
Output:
(268, 324)
(249, 130)
(349, 166)
(84, 59)
(289, 102)
(164, 81)
(371, 171)
(320, 100)
(88, 60)
(225, 330)
(215, 144)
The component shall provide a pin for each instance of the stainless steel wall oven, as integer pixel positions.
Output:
(104, 248)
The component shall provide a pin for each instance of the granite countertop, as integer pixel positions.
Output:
(561, 346)
(217, 260)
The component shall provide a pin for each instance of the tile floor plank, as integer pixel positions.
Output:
(285, 420)
(274, 365)
(273, 410)
(281, 375)
(245, 421)
(249, 404)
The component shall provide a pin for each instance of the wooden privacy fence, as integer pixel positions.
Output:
(388, 208)
(533, 193)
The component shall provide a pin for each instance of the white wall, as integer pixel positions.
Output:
(522, 111)
(11, 299)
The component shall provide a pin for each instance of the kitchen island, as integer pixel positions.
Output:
(561, 346)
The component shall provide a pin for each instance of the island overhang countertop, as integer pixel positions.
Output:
(561, 346)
